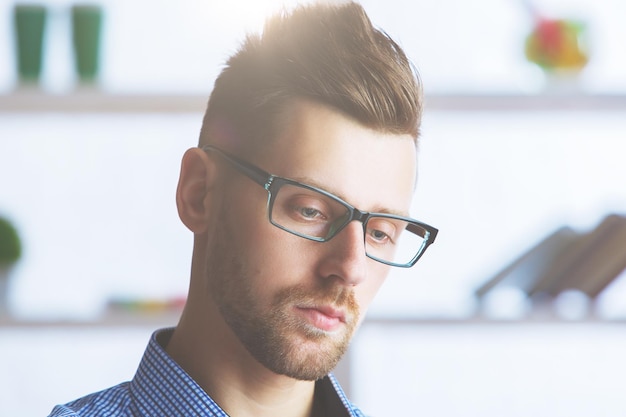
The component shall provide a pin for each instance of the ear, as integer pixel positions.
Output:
(193, 196)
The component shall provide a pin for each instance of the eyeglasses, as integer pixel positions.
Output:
(317, 215)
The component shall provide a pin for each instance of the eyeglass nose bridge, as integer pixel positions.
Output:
(354, 214)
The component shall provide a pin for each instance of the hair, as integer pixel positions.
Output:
(330, 54)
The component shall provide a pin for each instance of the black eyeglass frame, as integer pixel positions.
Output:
(272, 183)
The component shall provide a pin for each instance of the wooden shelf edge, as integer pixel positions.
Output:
(538, 102)
(166, 319)
(100, 102)
(482, 321)
(156, 319)
(95, 101)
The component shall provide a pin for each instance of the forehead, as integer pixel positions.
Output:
(372, 170)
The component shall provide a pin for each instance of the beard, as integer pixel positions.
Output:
(272, 332)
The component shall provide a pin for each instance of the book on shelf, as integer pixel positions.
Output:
(567, 260)
(593, 261)
(525, 270)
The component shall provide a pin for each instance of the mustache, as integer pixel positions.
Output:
(334, 295)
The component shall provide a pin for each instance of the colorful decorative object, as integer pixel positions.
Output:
(558, 45)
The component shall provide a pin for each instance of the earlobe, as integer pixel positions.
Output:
(197, 179)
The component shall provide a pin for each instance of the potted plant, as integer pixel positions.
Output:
(10, 252)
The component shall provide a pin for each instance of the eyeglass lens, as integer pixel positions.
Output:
(317, 216)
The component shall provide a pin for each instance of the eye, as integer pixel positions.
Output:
(379, 236)
(309, 212)
(381, 231)
(306, 208)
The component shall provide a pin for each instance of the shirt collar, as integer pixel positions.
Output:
(162, 387)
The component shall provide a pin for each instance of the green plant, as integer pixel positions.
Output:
(10, 245)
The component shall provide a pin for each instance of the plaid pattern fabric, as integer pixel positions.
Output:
(162, 388)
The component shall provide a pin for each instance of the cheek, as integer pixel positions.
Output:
(273, 257)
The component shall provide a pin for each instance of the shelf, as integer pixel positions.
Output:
(99, 102)
(94, 101)
(159, 319)
(537, 102)
(155, 319)
(481, 321)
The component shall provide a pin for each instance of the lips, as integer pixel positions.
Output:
(326, 318)
(332, 313)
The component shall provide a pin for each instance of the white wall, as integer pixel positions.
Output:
(93, 197)
(480, 370)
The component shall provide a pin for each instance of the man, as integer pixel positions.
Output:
(298, 197)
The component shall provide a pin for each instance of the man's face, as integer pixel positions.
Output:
(295, 303)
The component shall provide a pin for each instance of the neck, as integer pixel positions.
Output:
(205, 347)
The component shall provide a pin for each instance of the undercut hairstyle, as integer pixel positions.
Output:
(330, 54)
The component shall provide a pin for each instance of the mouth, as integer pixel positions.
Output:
(326, 318)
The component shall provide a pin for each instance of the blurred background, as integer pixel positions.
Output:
(524, 134)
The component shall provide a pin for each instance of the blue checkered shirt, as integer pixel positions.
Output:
(162, 388)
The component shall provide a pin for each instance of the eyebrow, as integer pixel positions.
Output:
(377, 209)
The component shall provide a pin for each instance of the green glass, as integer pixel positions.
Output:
(86, 37)
(29, 22)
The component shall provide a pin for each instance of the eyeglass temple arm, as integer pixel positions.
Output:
(256, 174)
(431, 231)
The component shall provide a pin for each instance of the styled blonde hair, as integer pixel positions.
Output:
(327, 53)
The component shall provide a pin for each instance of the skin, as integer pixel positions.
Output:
(241, 263)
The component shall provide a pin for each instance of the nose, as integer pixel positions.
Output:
(344, 255)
